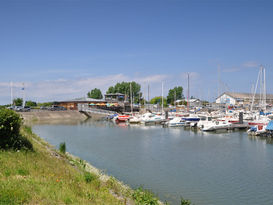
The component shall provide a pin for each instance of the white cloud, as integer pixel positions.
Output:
(63, 89)
(250, 64)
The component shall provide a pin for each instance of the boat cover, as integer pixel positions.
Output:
(270, 125)
(262, 113)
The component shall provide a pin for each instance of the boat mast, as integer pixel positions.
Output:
(144, 98)
(131, 97)
(209, 96)
(264, 89)
(148, 93)
(253, 97)
(219, 86)
(162, 97)
(188, 92)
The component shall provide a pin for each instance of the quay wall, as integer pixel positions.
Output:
(43, 115)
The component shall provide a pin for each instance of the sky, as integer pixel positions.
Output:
(63, 49)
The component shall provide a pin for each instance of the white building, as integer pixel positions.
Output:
(242, 98)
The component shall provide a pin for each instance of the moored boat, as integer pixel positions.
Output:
(175, 122)
(122, 118)
(216, 125)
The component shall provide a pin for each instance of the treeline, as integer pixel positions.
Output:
(19, 102)
(133, 88)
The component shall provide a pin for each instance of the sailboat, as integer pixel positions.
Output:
(260, 119)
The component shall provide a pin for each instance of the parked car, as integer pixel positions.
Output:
(11, 107)
(18, 108)
(56, 107)
(26, 109)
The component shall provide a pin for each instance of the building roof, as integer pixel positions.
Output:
(114, 94)
(83, 99)
(246, 96)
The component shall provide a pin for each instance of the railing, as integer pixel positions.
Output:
(85, 108)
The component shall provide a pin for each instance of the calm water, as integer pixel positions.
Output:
(207, 168)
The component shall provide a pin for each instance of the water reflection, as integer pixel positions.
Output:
(267, 140)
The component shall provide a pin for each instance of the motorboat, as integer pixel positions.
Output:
(191, 118)
(122, 118)
(257, 130)
(229, 118)
(175, 122)
(204, 120)
(155, 119)
(262, 120)
(133, 119)
(216, 125)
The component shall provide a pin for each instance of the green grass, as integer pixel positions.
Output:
(40, 177)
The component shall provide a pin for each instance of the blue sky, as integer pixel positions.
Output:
(63, 49)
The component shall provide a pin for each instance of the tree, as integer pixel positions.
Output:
(158, 99)
(124, 88)
(31, 103)
(174, 94)
(95, 93)
(18, 101)
(45, 104)
(111, 89)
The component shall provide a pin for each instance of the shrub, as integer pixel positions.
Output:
(10, 137)
(10, 123)
(185, 201)
(62, 147)
(142, 196)
(89, 177)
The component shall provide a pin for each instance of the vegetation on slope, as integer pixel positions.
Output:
(32, 172)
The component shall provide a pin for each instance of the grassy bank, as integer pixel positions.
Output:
(46, 176)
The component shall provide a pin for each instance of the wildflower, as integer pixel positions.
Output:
(57, 180)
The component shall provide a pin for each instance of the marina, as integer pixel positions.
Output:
(218, 167)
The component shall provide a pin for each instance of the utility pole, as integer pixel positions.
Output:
(11, 94)
(24, 96)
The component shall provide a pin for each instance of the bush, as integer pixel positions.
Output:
(10, 123)
(62, 147)
(89, 177)
(10, 137)
(142, 196)
(185, 201)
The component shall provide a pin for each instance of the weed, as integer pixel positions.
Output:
(96, 184)
(7, 173)
(22, 172)
(89, 177)
(62, 147)
(67, 200)
(185, 201)
(142, 196)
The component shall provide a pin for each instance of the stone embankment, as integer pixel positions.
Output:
(45, 115)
